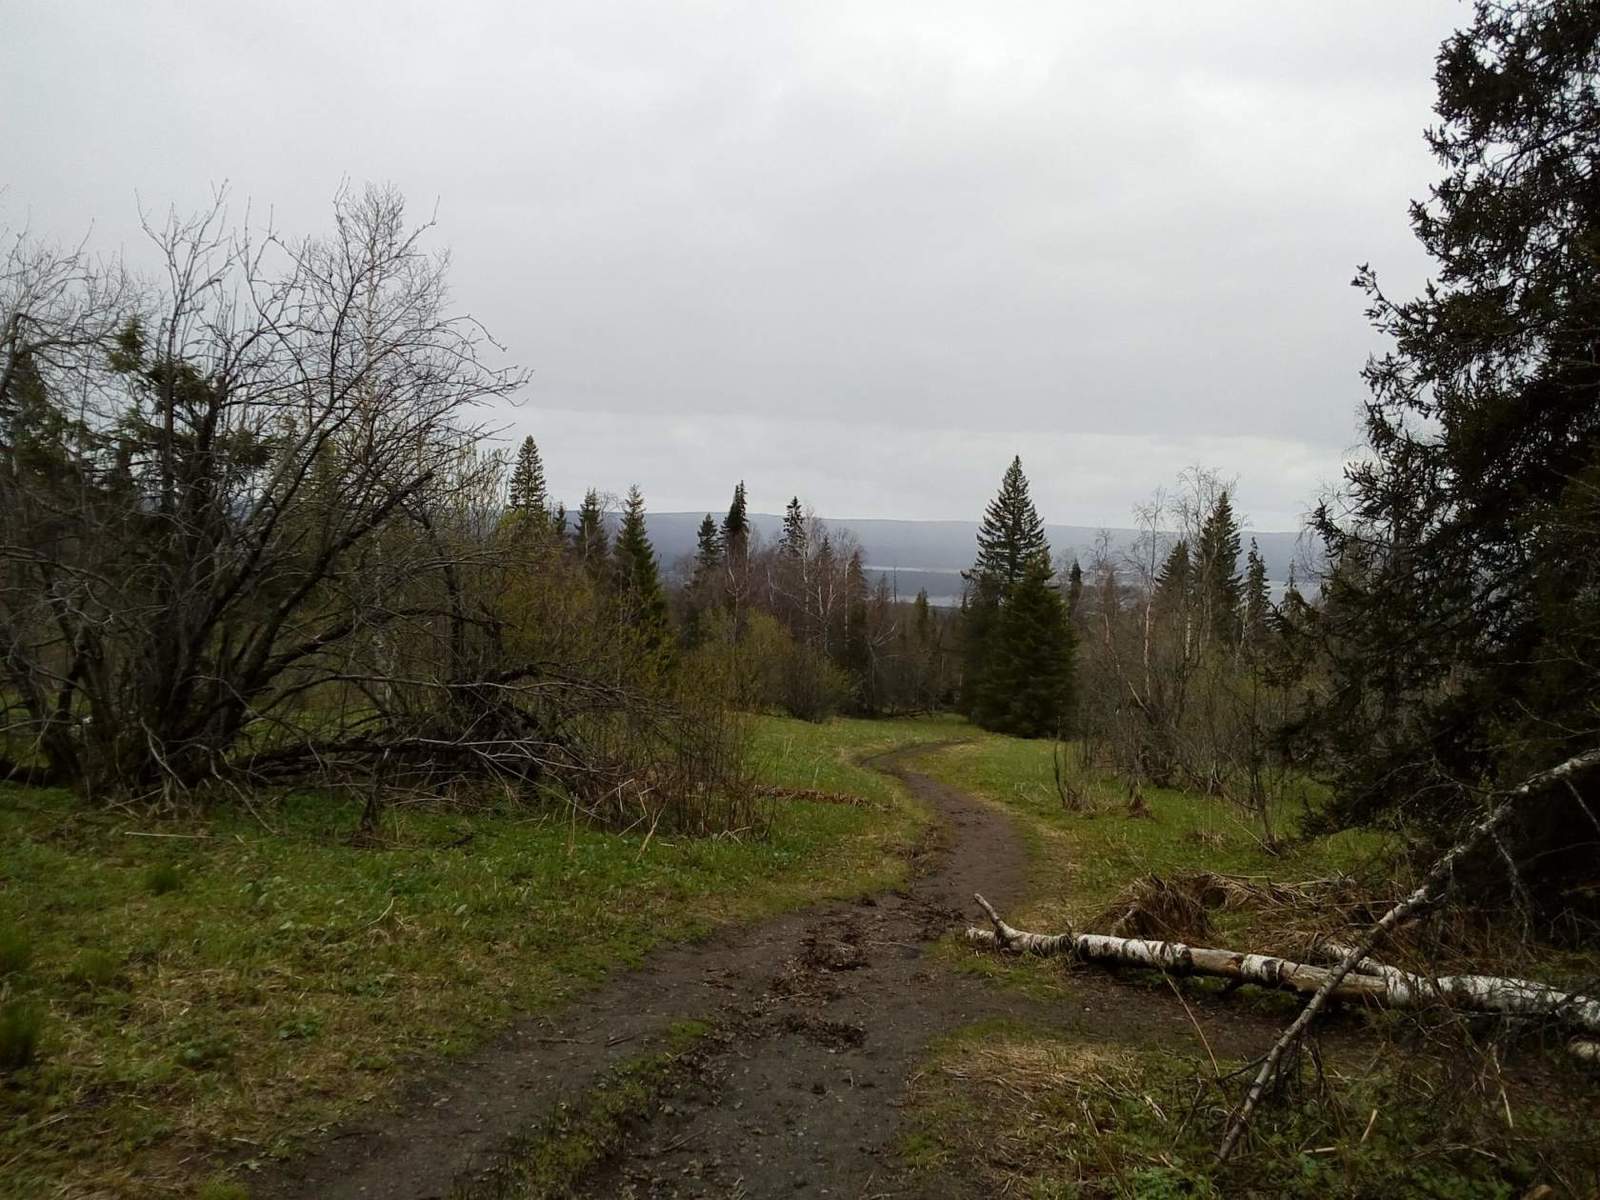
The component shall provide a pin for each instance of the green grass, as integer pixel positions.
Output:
(1006, 1108)
(1081, 860)
(226, 989)
(1097, 1112)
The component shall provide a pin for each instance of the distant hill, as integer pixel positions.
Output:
(932, 554)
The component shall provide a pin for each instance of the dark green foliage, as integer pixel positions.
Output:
(1074, 589)
(528, 495)
(16, 951)
(708, 548)
(1018, 642)
(1463, 612)
(1174, 582)
(21, 1026)
(1217, 585)
(589, 540)
(793, 541)
(162, 878)
(638, 580)
(1011, 534)
(736, 525)
(1028, 678)
(1257, 601)
(703, 592)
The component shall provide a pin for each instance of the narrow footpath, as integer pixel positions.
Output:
(822, 1018)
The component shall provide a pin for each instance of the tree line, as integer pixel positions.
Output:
(251, 535)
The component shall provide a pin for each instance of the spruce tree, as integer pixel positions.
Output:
(1218, 585)
(1017, 641)
(589, 537)
(1173, 581)
(708, 549)
(1463, 611)
(1011, 534)
(637, 577)
(736, 526)
(1029, 688)
(1074, 589)
(527, 493)
(700, 596)
(793, 541)
(1257, 601)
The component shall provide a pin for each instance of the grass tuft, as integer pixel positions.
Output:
(162, 878)
(16, 951)
(21, 1027)
(220, 1187)
(94, 970)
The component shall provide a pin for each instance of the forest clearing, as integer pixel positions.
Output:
(253, 1001)
(446, 753)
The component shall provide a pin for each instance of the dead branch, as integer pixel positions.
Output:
(1428, 892)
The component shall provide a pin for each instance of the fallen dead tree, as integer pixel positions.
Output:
(1367, 981)
(1356, 975)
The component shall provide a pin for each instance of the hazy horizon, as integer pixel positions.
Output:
(862, 254)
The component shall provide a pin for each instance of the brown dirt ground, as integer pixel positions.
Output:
(823, 1018)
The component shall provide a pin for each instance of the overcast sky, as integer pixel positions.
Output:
(861, 251)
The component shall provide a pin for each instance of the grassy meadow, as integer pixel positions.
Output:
(205, 993)
(196, 991)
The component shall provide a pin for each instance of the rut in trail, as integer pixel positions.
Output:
(827, 1009)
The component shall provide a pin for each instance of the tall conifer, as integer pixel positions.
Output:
(638, 580)
(793, 542)
(1011, 534)
(736, 525)
(527, 492)
(1018, 643)
(589, 538)
(1257, 601)
(1218, 583)
(708, 548)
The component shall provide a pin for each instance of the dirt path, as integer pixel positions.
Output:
(825, 1014)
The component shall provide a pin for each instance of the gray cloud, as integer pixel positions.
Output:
(855, 251)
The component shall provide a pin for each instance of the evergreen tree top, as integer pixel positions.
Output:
(1172, 580)
(589, 537)
(794, 538)
(1011, 537)
(527, 490)
(736, 525)
(635, 556)
(708, 545)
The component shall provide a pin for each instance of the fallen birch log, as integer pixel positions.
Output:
(1432, 888)
(1373, 982)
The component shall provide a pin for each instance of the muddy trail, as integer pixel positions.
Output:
(822, 1018)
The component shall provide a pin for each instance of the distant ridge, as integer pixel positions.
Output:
(931, 554)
